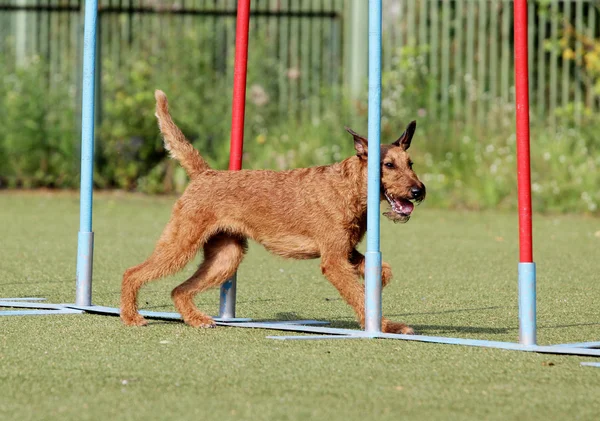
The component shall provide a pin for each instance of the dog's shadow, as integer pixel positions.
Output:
(353, 325)
(430, 330)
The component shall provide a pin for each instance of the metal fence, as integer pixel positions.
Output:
(469, 53)
(466, 45)
(303, 38)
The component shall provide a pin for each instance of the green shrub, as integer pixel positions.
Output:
(463, 164)
(130, 151)
(474, 165)
(37, 141)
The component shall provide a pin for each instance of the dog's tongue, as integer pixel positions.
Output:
(404, 206)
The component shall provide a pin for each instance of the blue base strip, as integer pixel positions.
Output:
(43, 308)
(34, 308)
(591, 364)
(303, 326)
(582, 345)
(23, 304)
(317, 337)
(113, 311)
(419, 338)
(39, 312)
(23, 299)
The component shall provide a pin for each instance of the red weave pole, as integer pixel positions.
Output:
(239, 85)
(523, 156)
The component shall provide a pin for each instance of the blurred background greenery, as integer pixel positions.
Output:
(447, 64)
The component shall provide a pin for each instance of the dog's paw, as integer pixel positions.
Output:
(393, 327)
(386, 273)
(133, 320)
(201, 321)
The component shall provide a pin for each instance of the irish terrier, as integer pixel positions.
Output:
(303, 213)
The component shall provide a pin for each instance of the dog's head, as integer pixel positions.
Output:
(400, 186)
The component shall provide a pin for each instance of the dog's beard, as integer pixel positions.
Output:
(396, 217)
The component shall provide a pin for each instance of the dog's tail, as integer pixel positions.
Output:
(175, 142)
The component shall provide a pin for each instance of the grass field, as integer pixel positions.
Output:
(455, 275)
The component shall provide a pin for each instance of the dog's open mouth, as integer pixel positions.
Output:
(401, 208)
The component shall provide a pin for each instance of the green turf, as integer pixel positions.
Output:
(455, 275)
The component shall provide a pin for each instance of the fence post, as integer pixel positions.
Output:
(21, 34)
(355, 46)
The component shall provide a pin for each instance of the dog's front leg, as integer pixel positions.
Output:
(345, 278)
(357, 259)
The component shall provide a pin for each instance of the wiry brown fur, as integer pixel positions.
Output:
(303, 213)
(175, 142)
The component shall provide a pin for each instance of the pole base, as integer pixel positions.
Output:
(527, 304)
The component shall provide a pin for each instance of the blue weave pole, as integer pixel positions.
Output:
(373, 253)
(85, 240)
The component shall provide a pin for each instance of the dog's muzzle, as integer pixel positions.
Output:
(401, 209)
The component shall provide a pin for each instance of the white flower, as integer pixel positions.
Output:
(258, 95)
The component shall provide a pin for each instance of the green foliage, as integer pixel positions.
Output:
(131, 153)
(463, 164)
(406, 88)
(37, 141)
(581, 49)
(469, 166)
(293, 144)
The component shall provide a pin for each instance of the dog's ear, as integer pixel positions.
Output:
(360, 143)
(404, 140)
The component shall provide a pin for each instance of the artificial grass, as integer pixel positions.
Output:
(455, 275)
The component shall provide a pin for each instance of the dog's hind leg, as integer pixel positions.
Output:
(223, 253)
(178, 244)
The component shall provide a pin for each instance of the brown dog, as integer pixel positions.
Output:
(303, 213)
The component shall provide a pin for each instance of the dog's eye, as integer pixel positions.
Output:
(410, 164)
(389, 164)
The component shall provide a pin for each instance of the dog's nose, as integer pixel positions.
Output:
(417, 192)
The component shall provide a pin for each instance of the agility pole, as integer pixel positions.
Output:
(526, 267)
(373, 252)
(85, 239)
(229, 288)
